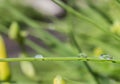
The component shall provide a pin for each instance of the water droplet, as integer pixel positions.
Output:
(106, 56)
(109, 58)
(82, 55)
(101, 57)
(39, 56)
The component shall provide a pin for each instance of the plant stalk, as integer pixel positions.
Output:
(72, 58)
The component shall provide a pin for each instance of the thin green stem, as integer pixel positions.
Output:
(80, 51)
(80, 16)
(102, 13)
(47, 38)
(74, 41)
(86, 64)
(37, 48)
(77, 14)
(21, 17)
(72, 58)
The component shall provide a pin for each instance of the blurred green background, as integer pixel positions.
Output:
(43, 28)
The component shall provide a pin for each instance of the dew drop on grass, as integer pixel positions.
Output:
(82, 55)
(39, 56)
(106, 56)
(101, 57)
(109, 58)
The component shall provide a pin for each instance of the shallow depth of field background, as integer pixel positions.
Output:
(49, 31)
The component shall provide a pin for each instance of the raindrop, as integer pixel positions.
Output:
(101, 57)
(82, 55)
(109, 58)
(39, 56)
(106, 56)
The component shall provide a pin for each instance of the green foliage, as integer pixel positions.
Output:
(85, 27)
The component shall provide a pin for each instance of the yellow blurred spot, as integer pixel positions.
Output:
(58, 80)
(4, 66)
(28, 69)
(3, 53)
(14, 30)
(116, 28)
(98, 51)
